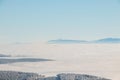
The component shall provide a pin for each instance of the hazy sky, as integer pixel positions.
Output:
(42, 20)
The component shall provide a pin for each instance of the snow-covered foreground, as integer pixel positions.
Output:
(94, 59)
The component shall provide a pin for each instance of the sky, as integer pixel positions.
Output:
(43, 20)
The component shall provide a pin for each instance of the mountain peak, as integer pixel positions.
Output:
(109, 40)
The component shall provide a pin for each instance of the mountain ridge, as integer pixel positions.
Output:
(69, 41)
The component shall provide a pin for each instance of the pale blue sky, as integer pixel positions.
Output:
(42, 20)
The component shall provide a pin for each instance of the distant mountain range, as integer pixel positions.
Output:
(108, 40)
(65, 41)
